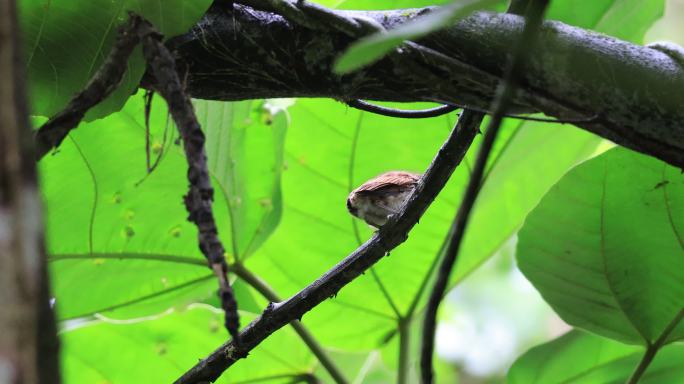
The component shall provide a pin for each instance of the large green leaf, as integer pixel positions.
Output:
(624, 19)
(245, 151)
(159, 350)
(605, 247)
(121, 244)
(118, 238)
(331, 149)
(297, 258)
(66, 41)
(582, 358)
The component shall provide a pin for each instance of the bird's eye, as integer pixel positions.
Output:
(352, 209)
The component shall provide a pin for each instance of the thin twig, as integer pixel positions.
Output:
(579, 120)
(404, 352)
(506, 91)
(199, 199)
(444, 109)
(402, 113)
(149, 95)
(387, 238)
(653, 348)
(101, 85)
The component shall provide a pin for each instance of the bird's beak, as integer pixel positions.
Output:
(350, 208)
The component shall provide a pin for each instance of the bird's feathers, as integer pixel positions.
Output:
(389, 181)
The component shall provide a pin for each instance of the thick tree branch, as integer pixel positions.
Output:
(387, 238)
(626, 93)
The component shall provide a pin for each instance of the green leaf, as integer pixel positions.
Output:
(604, 247)
(160, 349)
(370, 49)
(316, 231)
(624, 19)
(582, 358)
(66, 41)
(359, 367)
(118, 239)
(119, 242)
(245, 151)
(331, 149)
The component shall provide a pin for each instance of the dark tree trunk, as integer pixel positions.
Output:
(28, 338)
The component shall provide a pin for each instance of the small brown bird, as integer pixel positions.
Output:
(382, 196)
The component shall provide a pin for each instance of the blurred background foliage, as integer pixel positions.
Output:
(136, 302)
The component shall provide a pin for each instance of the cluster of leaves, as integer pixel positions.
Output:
(133, 293)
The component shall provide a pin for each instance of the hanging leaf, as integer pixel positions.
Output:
(605, 247)
(66, 41)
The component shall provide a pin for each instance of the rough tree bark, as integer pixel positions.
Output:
(28, 338)
(630, 94)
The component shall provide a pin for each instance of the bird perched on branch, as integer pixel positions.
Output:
(382, 196)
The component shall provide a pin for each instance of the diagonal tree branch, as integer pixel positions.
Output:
(243, 53)
(102, 84)
(266, 291)
(200, 196)
(534, 17)
(652, 349)
(387, 238)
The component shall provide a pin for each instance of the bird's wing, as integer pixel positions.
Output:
(389, 182)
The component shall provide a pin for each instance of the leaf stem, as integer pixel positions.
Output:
(404, 342)
(653, 348)
(643, 364)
